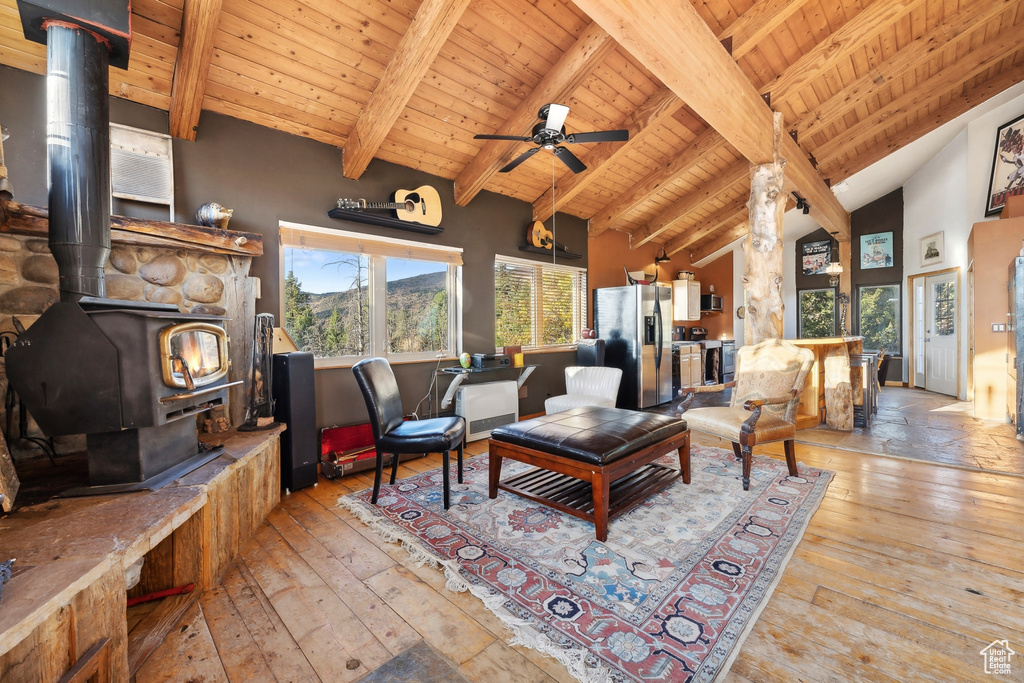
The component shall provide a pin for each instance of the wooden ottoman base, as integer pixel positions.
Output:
(562, 483)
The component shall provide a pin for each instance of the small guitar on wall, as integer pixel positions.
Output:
(539, 236)
(422, 205)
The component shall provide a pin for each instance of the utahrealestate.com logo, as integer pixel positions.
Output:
(997, 657)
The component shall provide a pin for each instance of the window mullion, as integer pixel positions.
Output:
(378, 306)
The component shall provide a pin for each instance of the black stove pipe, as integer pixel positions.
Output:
(78, 154)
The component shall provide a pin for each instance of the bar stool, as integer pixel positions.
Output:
(868, 365)
(875, 358)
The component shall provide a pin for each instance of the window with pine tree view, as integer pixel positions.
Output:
(348, 305)
(817, 313)
(879, 307)
(538, 305)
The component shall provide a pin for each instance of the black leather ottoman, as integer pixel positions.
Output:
(593, 463)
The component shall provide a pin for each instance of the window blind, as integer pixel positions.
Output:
(327, 239)
(538, 304)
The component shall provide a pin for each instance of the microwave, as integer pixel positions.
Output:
(710, 302)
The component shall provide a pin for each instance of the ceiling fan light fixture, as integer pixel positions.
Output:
(549, 133)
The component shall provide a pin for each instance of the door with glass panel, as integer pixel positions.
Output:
(940, 335)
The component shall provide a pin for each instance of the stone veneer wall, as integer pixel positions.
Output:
(194, 281)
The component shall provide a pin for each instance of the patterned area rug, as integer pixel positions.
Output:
(669, 596)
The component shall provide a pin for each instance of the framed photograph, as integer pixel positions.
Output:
(876, 250)
(1007, 165)
(932, 251)
(815, 257)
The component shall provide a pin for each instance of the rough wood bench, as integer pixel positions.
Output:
(593, 463)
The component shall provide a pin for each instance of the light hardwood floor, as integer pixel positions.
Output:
(906, 572)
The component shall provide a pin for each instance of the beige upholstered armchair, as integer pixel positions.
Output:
(769, 379)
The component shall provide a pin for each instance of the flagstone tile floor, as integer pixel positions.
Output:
(917, 424)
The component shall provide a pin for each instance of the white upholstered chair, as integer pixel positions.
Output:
(586, 386)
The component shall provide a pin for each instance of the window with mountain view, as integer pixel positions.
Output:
(379, 298)
(538, 305)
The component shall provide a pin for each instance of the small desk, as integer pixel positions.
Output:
(829, 388)
(462, 373)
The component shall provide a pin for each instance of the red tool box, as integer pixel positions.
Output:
(350, 449)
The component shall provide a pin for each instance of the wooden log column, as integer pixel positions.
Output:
(762, 248)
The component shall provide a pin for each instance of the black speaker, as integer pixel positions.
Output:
(295, 405)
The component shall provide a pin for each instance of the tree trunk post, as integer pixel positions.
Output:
(762, 248)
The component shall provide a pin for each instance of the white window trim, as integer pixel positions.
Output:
(579, 315)
(297, 235)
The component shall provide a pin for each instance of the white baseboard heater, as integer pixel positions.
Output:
(486, 406)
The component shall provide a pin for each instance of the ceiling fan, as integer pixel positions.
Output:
(550, 133)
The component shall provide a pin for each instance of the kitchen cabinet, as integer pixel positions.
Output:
(687, 370)
(685, 300)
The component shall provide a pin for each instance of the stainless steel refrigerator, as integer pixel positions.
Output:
(636, 324)
(1015, 346)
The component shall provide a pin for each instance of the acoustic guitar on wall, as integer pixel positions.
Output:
(539, 236)
(422, 205)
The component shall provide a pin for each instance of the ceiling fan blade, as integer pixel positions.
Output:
(519, 159)
(569, 159)
(556, 116)
(599, 136)
(518, 138)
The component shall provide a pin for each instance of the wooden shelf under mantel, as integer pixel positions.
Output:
(34, 221)
(547, 252)
(383, 221)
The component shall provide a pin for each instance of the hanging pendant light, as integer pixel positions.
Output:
(835, 268)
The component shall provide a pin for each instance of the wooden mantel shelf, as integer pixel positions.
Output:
(26, 219)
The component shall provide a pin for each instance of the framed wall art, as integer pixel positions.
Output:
(876, 250)
(1007, 178)
(932, 250)
(815, 257)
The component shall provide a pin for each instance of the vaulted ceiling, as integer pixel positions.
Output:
(411, 82)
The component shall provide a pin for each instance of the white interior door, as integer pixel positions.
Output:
(941, 334)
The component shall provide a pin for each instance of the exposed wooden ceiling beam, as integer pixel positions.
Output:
(428, 32)
(954, 108)
(674, 43)
(925, 92)
(841, 44)
(191, 66)
(658, 108)
(720, 240)
(676, 211)
(702, 147)
(758, 22)
(575, 66)
(746, 31)
(726, 216)
(908, 58)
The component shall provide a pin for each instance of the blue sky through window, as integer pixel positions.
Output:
(322, 271)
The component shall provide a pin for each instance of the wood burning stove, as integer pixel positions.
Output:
(129, 375)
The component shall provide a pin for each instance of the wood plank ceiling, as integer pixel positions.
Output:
(412, 82)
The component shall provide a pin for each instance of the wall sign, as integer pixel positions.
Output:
(876, 250)
(815, 257)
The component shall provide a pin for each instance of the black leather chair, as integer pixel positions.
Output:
(393, 434)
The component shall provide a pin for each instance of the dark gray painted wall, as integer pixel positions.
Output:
(268, 176)
(885, 214)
